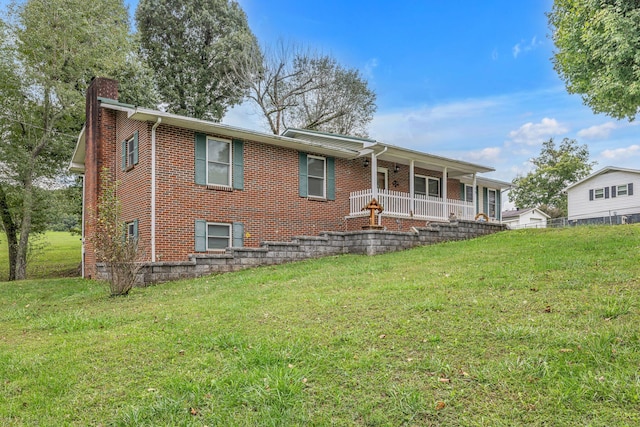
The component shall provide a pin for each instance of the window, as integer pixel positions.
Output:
(469, 193)
(218, 162)
(316, 177)
(491, 203)
(131, 230)
(599, 193)
(218, 236)
(426, 185)
(316, 172)
(130, 152)
(433, 184)
(622, 190)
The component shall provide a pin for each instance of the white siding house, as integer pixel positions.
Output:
(525, 218)
(610, 195)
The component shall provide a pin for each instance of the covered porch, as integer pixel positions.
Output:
(399, 204)
(416, 185)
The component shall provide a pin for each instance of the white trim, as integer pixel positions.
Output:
(230, 164)
(229, 240)
(324, 177)
(495, 203)
(600, 172)
(384, 171)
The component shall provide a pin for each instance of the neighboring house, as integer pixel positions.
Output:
(608, 196)
(190, 186)
(525, 218)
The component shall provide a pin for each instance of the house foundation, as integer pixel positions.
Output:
(364, 242)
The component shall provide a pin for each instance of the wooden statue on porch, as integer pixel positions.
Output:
(373, 206)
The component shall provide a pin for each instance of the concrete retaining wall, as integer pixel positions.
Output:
(365, 242)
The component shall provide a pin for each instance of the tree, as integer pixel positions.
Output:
(191, 45)
(294, 87)
(597, 43)
(114, 245)
(50, 49)
(554, 169)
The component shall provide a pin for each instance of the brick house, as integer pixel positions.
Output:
(190, 186)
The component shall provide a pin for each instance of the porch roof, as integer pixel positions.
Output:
(390, 153)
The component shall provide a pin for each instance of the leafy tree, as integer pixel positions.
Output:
(554, 169)
(597, 45)
(191, 45)
(118, 250)
(294, 87)
(49, 51)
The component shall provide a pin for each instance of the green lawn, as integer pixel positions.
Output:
(529, 327)
(56, 254)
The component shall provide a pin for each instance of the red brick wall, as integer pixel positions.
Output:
(269, 206)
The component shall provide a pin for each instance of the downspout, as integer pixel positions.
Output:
(82, 228)
(153, 189)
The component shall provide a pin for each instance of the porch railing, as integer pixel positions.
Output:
(401, 204)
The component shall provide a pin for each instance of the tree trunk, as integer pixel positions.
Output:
(25, 229)
(11, 232)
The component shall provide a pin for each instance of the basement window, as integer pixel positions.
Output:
(218, 236)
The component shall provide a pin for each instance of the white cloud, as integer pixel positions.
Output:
(599, 131)
(369, 67)
(489, 154)
(525, 46)
(516, 50)
(621, 153)
(536, 133)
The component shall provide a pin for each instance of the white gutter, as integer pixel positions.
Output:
(153, 189)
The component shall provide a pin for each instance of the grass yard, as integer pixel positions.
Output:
(529, 327)
(56, 254)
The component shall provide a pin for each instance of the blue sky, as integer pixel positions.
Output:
(465, 79)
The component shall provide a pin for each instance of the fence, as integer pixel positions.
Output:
(608, 217)
(419, 206)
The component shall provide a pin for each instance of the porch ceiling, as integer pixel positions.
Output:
(455, 168)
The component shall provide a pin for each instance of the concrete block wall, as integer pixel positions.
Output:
(363, 242)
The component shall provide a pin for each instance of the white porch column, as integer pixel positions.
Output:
(374, 176)
(444, 193)
(412, 186)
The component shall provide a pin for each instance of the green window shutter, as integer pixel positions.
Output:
(302, 165)
(498, 205)
(485, 200)
(201, 159)
(124, 154)
(331, 178)
(463, 193)
(135, 229)
(238, 235)
(477, 191)
(135, 148)
(630, 189)
(201, 235)
(238, 164)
